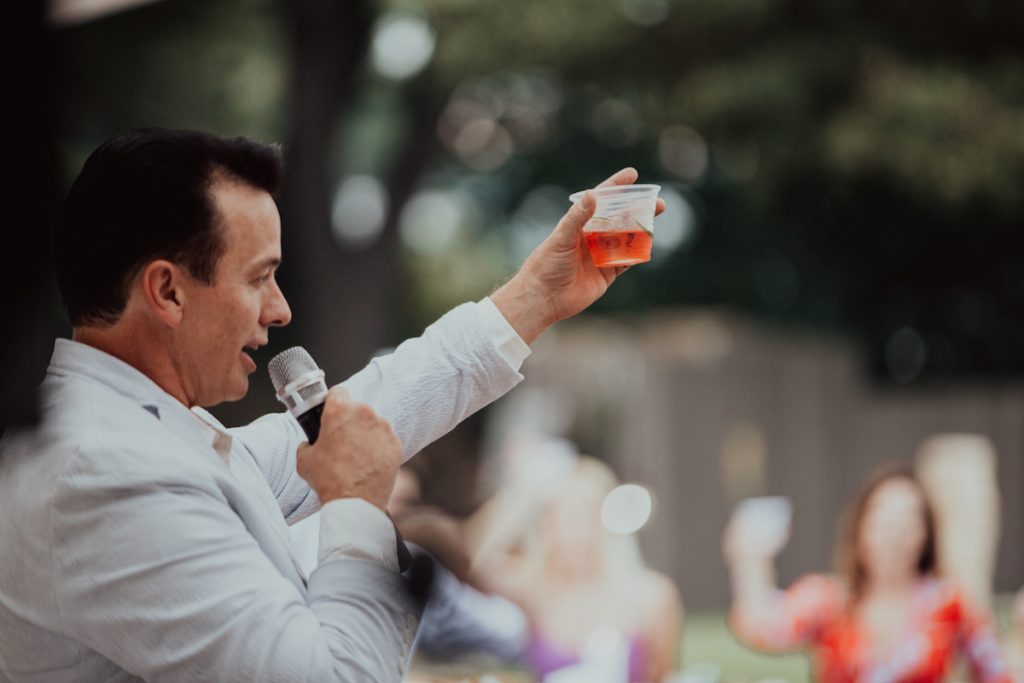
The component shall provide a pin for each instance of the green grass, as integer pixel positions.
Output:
(709, 646)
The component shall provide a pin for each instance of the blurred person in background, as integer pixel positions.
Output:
(889, 618)
(459, 621)
(585, 590)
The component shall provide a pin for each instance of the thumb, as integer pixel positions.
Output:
(566, 233)
(339, 393)
(336, 397)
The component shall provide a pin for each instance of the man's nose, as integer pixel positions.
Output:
(276, 313)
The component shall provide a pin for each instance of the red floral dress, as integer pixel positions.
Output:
(812, 614)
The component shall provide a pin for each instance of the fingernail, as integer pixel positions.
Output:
(587, 201)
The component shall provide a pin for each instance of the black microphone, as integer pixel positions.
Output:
(299, 384)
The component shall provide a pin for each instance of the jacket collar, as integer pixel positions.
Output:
(75, 358)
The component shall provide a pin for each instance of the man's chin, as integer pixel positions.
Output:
(240, 391)
(235, 393)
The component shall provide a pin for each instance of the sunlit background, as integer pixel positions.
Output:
(839, 273)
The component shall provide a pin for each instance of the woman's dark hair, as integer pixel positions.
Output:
(848, 560)
(144, 195)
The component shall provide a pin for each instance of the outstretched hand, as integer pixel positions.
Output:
(559, 279)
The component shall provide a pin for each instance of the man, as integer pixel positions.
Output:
(142, 539)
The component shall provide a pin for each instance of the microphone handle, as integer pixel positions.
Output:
(310, 422)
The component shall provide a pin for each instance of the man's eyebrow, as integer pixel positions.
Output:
(269, 262)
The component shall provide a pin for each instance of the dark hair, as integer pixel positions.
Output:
(145, 195)
(848, 559)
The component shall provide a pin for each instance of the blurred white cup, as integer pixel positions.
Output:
(764, 521)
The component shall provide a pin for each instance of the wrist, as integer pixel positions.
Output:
(749, 560)
(526, 306)
(332, 494)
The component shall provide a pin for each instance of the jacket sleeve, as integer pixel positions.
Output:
(427, 386)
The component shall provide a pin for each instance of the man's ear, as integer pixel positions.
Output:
(163, 290)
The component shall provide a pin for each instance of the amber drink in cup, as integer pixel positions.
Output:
(621, 231)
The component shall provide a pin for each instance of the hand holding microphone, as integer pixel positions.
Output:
(352, 451)
(356, 456)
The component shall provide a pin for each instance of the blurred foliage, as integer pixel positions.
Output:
(855, 166)
(221, 66)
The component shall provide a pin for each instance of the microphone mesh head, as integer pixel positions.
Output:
(289, 365)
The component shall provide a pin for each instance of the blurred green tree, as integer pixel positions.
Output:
(854, 166)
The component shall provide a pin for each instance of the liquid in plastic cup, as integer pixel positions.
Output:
(621, 231)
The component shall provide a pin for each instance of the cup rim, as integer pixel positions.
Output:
(617, 189)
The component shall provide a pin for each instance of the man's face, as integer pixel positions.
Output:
(235, 313)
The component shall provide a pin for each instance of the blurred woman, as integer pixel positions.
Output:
(580, 585)
(889, 618)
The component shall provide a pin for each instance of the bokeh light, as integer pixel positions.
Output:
(626, 509)
(645, 12)
(359, 211)
(683, 152)
(616, 122)
(677, 226)
(905, 354)
(431, 220)
(403, 45)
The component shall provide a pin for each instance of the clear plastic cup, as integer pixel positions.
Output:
(766, 520)
(621, 231)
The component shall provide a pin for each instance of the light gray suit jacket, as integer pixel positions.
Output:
(131, 550)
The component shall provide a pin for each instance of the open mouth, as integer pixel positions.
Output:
(246, 358)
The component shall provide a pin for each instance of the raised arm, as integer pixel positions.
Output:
(469, 357)
(761, 615)
(535, 468)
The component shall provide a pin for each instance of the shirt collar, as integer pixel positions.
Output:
(75, 358)
(220, 439)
